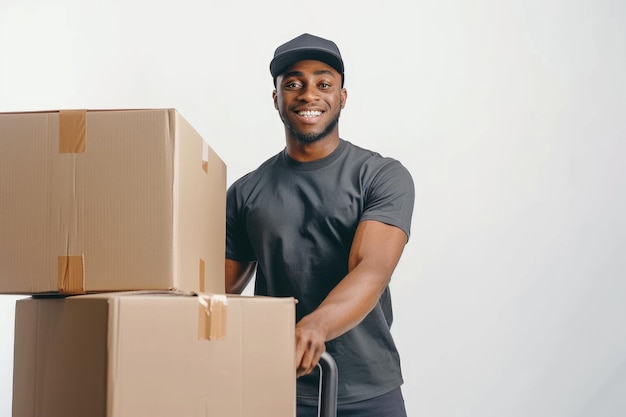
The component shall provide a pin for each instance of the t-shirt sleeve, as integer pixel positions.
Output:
(390, 197)
(238, 247)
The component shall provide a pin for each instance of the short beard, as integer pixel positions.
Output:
(308, 138)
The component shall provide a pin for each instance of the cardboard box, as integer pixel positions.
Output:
(96, 201)
(129, 355)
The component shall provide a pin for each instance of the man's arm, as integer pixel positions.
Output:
(375, 252)
(238, 275)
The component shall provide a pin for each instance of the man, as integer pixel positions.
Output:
(326, 222)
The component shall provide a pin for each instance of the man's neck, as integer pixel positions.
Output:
(307, 152)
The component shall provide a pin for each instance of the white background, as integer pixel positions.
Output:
(510, 299)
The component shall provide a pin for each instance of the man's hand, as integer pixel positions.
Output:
(310, 344)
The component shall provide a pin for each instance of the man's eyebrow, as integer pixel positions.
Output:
(320, 72)
(292, 74)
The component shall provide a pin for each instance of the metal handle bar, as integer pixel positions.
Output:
(328, 386)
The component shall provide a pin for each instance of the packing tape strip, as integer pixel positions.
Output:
(71, 278)
(201, 272)
(72, 131)
(212, 310)
(205, 153)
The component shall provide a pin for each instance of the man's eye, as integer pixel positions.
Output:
(292, 85)
(324, 85)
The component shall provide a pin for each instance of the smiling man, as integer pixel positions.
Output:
(325, 221)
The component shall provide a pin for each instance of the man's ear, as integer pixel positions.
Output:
(275, 98)
(343, 97)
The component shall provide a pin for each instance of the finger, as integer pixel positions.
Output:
(301, 350)
(310, 360)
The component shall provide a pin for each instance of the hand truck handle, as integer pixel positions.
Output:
(328, 386)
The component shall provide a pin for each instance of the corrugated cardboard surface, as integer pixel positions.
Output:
(120, 355)
(133, 206)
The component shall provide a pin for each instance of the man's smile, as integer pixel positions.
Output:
(309, 113)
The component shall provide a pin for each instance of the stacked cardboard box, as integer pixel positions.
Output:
(94, 201)
(115, 222)
(129, 355)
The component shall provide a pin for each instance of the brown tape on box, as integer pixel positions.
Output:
(72, 131)
(71, 279)
(212, 310)
(201, 272)
(205, 162)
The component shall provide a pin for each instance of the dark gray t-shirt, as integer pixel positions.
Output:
(297, 220)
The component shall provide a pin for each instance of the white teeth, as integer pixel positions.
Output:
(309, 113)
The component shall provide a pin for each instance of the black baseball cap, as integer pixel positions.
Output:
(304, 47)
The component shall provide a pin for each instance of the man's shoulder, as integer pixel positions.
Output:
(371, 160)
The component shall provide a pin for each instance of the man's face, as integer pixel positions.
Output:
(309, 99)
